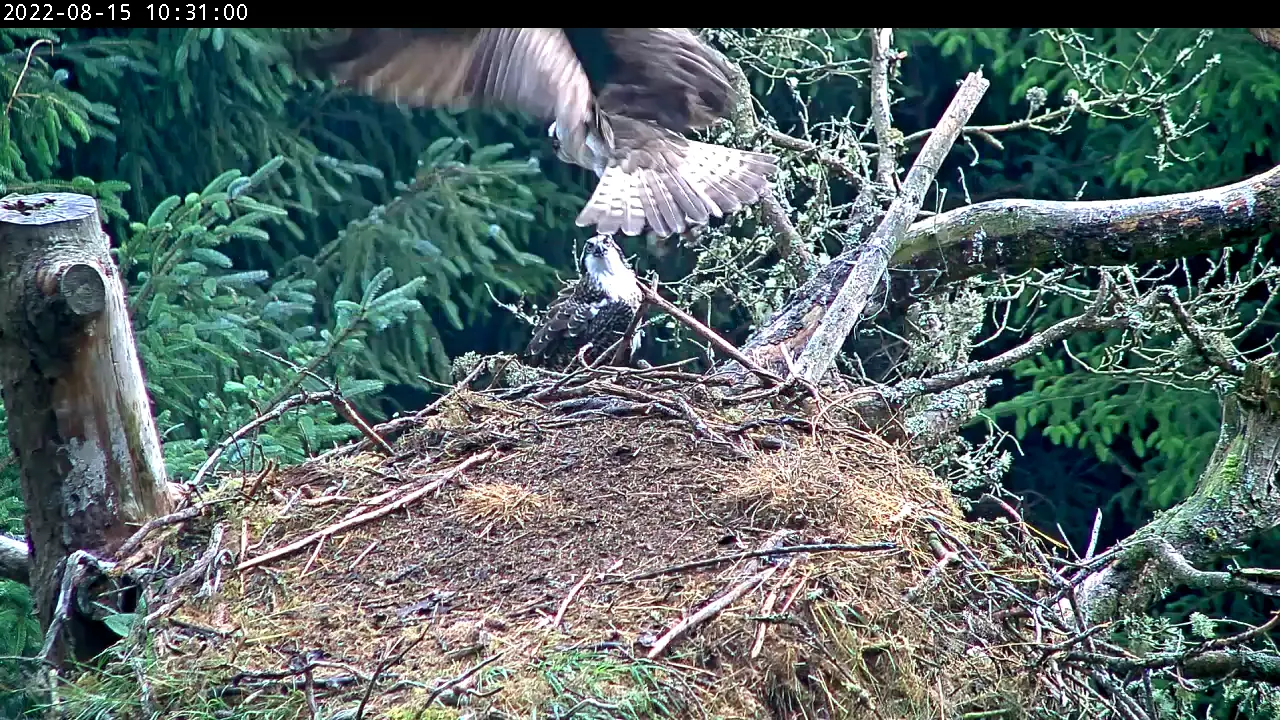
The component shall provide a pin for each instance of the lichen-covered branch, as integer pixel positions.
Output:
(744, 118)
(881, 116)
(1093, 319)
(839, 319)
(1236, 500)
(1015, 235)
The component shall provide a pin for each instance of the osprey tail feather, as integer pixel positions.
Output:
(670, 197)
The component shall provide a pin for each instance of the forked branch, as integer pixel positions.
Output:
(873, 258)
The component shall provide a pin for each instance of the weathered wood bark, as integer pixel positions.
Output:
(1236, 500)
(1014, 235)
(846, 308)
(14, 563)
(79, 417)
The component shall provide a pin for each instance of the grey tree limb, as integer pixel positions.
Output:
(1267, 36)
(1015, 235)
(1235, 501)
(846, 308)
(15, 564)
(881, 115)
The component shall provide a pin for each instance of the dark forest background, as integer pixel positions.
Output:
(259, 214)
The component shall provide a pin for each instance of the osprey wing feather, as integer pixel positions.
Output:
(660, 83)
(533, 70)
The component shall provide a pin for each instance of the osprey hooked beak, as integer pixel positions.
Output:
(601, 254)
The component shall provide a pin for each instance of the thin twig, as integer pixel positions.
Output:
(564, 605)
(708, 334)
(366, 517)
(387, 661)
(710, 611)
(291, 403)
(135, 540)
(783, 550)
(460, 679)
(339, 402)
(1196, 335)
(22, 75)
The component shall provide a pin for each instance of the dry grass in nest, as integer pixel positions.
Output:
(526, 562)
(500, 502)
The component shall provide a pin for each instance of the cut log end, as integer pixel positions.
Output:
(46, 208)
(82, 288)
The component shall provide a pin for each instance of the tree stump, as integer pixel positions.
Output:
(80, 421)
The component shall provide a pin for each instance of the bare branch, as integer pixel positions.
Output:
(1016, 235)
(744, 120)
(840, 318)
(652, 296)
(1091, 320)
(15, 563)
(881, 117)
(1196, 335)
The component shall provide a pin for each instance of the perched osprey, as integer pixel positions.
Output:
(597, 310)
(620, 100)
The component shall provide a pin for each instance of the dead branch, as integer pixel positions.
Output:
(15, 562)
(711, 610)
(1217, 658)
(564, 604)
(1091, 320)
(338, 401)
(344, 408)
(75, 569)
(201, 566)
(789, 241)
(1016, 235)
(459, 680)
(131, 545)
(387, 661)
(768, 552)
(366, 517)
(881, 115)
(291, 403)
(707, 334)
(847, 306)
(1196, 335)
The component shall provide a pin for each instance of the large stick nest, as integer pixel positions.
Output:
(551, 509)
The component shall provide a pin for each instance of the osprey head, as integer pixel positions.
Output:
(602, 256)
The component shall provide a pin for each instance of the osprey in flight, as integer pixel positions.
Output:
(619, 100)
(597, 310)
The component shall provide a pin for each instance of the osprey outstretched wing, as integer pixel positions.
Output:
(620, 100)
